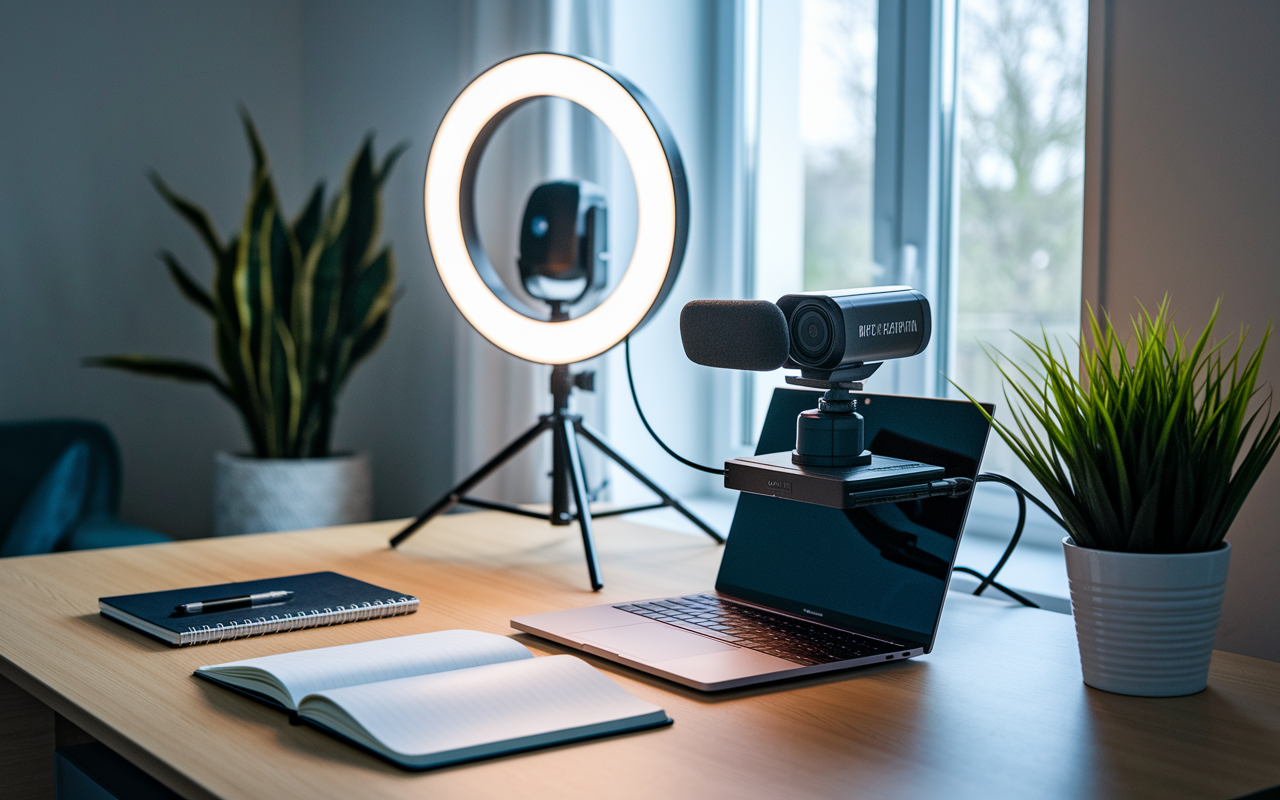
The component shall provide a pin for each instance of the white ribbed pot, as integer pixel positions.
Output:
(259, 495)
(1145, 622)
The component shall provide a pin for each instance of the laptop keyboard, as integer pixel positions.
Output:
(781, 636)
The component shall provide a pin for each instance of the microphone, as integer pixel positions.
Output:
(735, 334)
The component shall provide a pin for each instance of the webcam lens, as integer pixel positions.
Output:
(539, 226)
(811, 333)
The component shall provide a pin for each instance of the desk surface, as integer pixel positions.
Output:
(998, 709)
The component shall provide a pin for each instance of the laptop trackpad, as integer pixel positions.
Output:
(652, 641)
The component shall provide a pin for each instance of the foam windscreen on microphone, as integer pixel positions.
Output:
(734, 334)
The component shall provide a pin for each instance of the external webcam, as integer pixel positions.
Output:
(837, 340)
(835, 336)
(838, 332)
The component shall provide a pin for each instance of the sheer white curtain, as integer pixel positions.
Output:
(498, 396)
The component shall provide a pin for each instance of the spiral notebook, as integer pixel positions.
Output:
(319, 598)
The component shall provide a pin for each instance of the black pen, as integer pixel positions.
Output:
(228, 603)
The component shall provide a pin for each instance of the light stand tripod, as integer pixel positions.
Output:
(566, 474)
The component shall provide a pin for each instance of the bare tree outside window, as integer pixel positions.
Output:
(1020, 170)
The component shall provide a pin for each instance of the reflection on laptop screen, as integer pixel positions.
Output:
(879, 569)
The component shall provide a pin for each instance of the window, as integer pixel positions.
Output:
(936, 143)
(1019, 171)
(853, 145)
(941, 145)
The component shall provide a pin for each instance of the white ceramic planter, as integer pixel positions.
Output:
(259, 495)
(1146, 621)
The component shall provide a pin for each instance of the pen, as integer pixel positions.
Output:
(228, 603)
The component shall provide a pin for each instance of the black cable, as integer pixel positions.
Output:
(1023, 496)
(998, 585)
(1053, 515)
(988, 477)
(626, 348)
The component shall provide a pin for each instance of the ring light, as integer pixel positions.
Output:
(662, 197)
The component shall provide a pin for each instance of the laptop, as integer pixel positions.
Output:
(803, 588)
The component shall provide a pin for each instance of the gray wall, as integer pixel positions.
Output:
(1183, 197)
(392, 67)
(94, 94)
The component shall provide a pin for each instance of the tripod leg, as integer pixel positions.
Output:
(573, 461)
(560, 474)
(447, 502)
(596, 440)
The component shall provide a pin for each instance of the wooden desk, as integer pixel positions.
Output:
(998, 710)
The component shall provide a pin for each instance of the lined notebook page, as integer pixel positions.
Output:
(306, 671)
(464, 711)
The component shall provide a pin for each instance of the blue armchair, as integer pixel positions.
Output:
(60, 489)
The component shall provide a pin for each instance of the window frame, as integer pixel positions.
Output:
(914, 190)
(914, 206)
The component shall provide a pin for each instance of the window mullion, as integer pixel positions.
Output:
(911, 184)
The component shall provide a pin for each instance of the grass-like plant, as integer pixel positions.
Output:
(295, 305)
(1149, 451)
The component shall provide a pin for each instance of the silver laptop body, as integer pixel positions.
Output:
(699, 660)
(804, 589)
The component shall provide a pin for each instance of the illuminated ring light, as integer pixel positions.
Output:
(662, 197)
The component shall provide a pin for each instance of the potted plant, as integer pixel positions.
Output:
(295, 307)
(1148, 457)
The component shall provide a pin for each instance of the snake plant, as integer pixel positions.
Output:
(295, 305)
(1149, 451)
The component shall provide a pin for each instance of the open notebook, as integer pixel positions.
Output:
(440, 698)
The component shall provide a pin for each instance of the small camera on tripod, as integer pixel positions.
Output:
(837, 339)
(564, 248)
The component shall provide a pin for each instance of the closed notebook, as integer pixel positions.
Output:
(319, 598)
(440, 698)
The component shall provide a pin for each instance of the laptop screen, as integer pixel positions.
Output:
(878, 569)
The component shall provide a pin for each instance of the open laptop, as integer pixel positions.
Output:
(804, 588)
